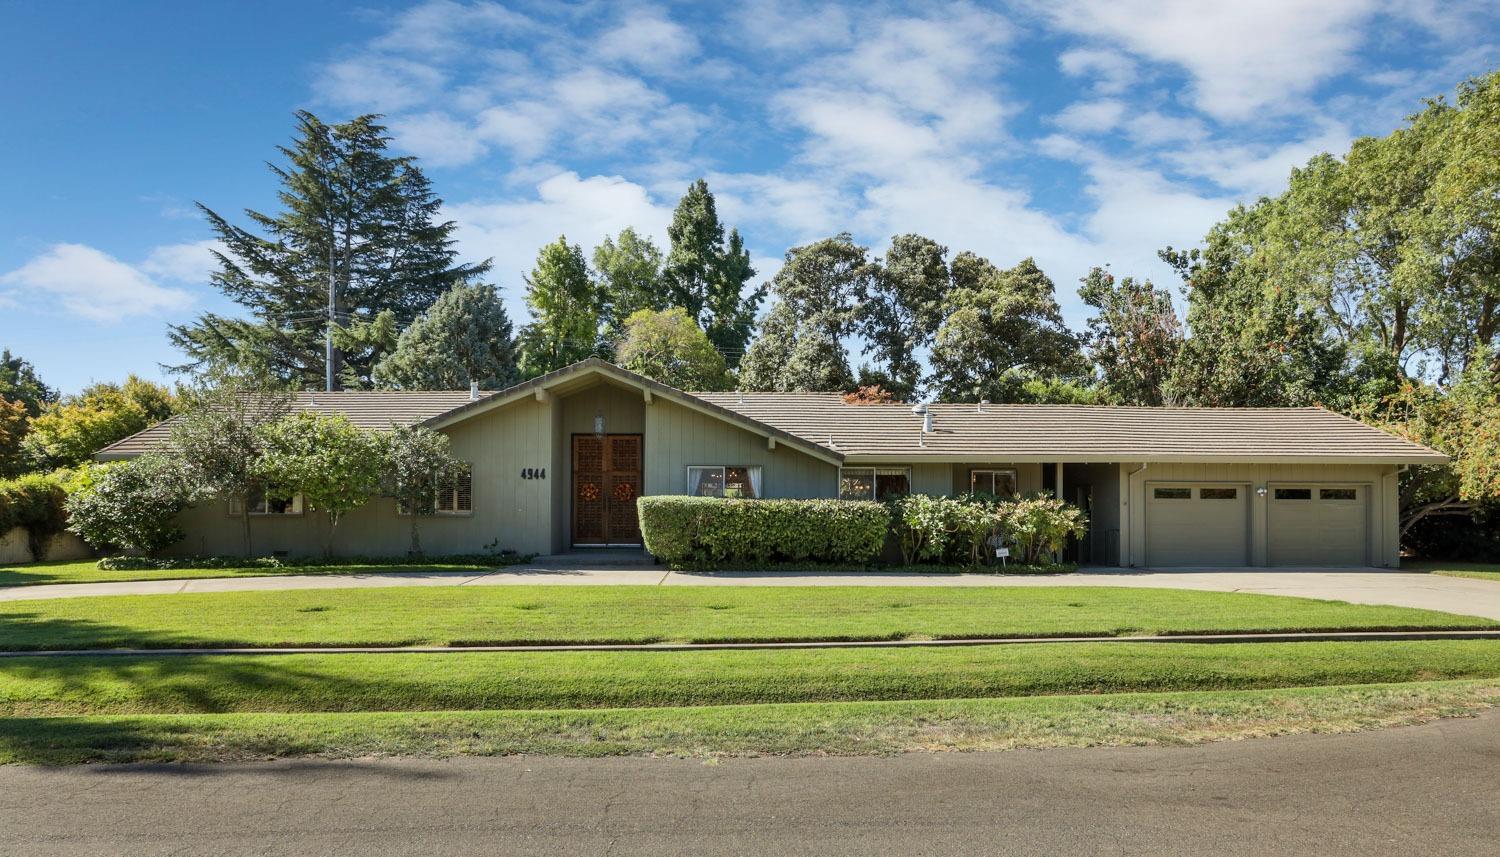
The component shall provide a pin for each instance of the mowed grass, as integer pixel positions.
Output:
(88, 571)
(844, 728)
(87, 685)
(453, 616)
(1476, 570)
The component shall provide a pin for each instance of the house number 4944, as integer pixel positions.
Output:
(533, 473)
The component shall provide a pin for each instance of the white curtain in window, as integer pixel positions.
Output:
(755, 483)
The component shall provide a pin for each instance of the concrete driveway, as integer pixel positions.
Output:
(1361, 586)
(1418, 790)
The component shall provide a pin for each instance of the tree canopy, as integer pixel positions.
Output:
(706, 276)
(565, 309)
(465, 336)
(669, 346)
(68, 432)
(356, 220)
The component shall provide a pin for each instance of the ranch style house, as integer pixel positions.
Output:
(556, 464)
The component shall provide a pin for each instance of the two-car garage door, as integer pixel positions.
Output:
(1210, 524)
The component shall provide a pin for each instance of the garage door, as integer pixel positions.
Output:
(1197, 523)
(1318, 524)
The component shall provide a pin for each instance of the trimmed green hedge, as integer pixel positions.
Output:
(706, 530)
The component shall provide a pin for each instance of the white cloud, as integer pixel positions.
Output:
(648, 39)
(1258, 170)
(1113, 72)
(91, 284)
(438, 139)
(380, 82)
(191, 262)
(433, 27)
(1091, 117)
(780, 26)
(1245, 59)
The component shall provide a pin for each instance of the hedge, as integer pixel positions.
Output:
(707, 530)
(34, 502)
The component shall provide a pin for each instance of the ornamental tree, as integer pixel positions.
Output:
(132, 505)
(670, 347)
(416, 461)
(334, 465)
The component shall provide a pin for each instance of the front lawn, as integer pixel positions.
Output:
(88, 571)
(1476, 570)
(33, 686)
(454, 616)
(842, 728)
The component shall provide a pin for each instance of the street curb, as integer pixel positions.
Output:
(1283, 637)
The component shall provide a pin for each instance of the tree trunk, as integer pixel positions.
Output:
(1448, 506)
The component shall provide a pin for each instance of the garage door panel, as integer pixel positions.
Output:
(1197, 524)
(1318, 525)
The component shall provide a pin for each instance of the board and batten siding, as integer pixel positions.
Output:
(509, 512)
(677, 437)
(1379, 479)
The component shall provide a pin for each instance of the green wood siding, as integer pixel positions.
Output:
(677, 437)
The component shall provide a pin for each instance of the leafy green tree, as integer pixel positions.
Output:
(669, 346)
(219, 438)
(13, 424)
(1004, 328)
(334, 465)
(20, 383)
(706, 277)
(366, 342)
(464, 336)
(565, 310)
(132, 505)
(415, 462)
(354, 217)
(630, 279)
(764, 366)
(70, 431)
(1134, 337)
(902, 309)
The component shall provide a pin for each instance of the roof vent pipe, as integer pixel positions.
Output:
(920, 409)
(979, 409)
(473, 391)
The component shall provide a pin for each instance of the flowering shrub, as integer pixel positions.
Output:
(1039, 525)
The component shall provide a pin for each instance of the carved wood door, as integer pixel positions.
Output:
(606, 483)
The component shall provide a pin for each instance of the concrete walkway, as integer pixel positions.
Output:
(1359, 586)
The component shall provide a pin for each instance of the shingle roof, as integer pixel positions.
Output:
(1075, 432)
(377, 410)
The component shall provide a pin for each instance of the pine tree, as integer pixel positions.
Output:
(708, 279)
(465, 336)
(354, 217)
(565, 307)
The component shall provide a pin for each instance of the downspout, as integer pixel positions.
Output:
(1129, 528)
(1395, 476)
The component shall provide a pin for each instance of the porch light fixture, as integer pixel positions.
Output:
(1260, 490)
(599, 425)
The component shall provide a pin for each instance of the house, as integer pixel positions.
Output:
(557, 462)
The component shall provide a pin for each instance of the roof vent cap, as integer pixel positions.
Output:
(919, 408)
(473, 391)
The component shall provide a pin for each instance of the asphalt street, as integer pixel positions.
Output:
(1420, 790)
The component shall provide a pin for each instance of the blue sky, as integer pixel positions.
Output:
(1079, 132)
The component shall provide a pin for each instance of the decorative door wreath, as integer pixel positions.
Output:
(588, 491)
(624, 492)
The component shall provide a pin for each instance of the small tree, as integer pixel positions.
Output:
(1040, 525)
(670, 347)
(220, 442)
(417, 461)
(132, 505)
(335, 466)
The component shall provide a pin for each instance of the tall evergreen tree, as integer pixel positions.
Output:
(565, 310)
(1004, 329)
(464, 336)
(902, 310)
(707, 278)
(628, 268)
(20, 383)
(355, 220)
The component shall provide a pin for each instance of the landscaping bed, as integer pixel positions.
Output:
(492, 615)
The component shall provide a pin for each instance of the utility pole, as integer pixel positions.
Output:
(328, 336)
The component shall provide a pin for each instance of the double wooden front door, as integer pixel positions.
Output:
(606, 482)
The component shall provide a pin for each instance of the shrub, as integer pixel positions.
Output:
(707, 530)
(1039, 525)
(946, 530)
(132, 506)
(36, 502)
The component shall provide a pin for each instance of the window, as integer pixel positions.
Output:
(1001, 483)
(260, 504)
(1218, 493)
(1338, 494)
(1172, 493)
(451, 497)
(1294, 493)
(725, 480)
(873, 483)
(456, 496)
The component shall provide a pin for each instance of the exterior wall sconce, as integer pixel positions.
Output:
(1260, 490)
(599, 425)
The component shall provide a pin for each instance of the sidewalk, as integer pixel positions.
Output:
(1359, 586)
